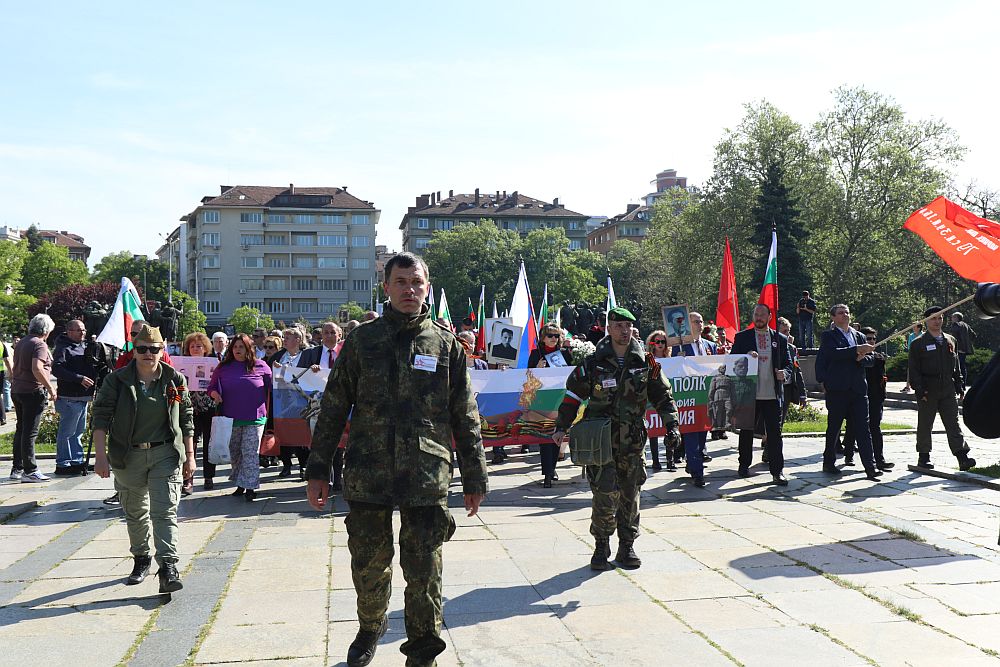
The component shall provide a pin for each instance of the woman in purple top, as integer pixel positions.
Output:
(241, 386)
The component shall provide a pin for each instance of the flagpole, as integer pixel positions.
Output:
(923, 321)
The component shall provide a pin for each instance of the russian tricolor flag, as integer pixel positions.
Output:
(522, 314)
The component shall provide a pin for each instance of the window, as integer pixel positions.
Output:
(573, 224)
(257, 305)
(303, 239)
(339, 240)
(252, 262)
(210, 216)
(277, 218)
(445, 224)
(362, 285)
(251, 283)
(252, 217)
(527, 225)
(210, 284)
(359, 219)
(277, 283)
(423, 223)
(277, 262)
(507, 224)
(303, 307)
(251, 239)
(276, 307)
(211, 238)
(332, 262)
(304, 219)
(303, 284)
(332, 219)
(275, 239)
(331, 284)
(420, 244)
(210, 307)
(575, 244)
(360, 241)
(360, 263)
(304, 261)
(209, 261)
(328, 308)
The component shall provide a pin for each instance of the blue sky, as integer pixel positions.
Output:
(118, 117)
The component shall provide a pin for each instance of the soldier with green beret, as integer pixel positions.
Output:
(403, 381)
(618, 380)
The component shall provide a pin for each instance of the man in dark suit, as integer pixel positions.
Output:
(694, 443)
(774, 367)
(317, 358)
(841, 361)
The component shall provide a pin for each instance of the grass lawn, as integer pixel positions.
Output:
(819, 426)
(989, 471)
(7, 445)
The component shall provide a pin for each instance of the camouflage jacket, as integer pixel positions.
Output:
(404, 385)
(618, 392)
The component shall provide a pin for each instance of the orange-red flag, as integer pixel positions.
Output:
(728, 312)
(967, 243)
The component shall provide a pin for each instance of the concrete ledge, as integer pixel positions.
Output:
(972, 478)
(11, 511)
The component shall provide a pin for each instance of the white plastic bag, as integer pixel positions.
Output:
(218, 446)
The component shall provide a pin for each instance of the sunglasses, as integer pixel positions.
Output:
(551, 336)
(659, 341)
(147, 349)
(270, 347)
(870, 339)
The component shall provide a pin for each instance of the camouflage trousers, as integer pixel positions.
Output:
(616, 489)
(369, 539)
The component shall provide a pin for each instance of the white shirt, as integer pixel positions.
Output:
(849, 335)
(324, 357)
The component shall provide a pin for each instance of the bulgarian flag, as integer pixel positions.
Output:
(472, 313)
(769, 293)
(118, 331)
(543, 313)
(481, 322)
(443, 313)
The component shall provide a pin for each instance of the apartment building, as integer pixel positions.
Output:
(516, 212)
(632, 225)
(288, 252)
(73, 243)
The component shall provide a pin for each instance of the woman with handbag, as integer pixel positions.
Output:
(549, 353)
(240, 387)
(197, 345)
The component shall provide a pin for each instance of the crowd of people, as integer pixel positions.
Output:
(402, 382)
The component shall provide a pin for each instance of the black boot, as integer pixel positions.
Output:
(286, 470)
(626, 557)
(602, 551)
(362, 649)
(139, 570)
(924, 461)
(170, 578)
(965, 462)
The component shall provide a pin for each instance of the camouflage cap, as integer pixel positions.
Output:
(619, 314)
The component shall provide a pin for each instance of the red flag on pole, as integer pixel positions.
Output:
(769, 293)
(967, 243)
(728, 312)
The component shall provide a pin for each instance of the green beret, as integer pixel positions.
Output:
(620, 314)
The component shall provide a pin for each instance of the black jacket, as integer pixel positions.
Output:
(537, 355)
(71, 362)
(745, 342)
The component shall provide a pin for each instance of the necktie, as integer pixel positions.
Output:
(329, 358)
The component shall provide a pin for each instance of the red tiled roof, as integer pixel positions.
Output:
(62, 238)
(283, 197)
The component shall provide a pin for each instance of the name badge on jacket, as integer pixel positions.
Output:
(425, 362)
(931, 347)
(609, 384)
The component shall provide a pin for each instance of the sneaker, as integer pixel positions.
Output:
(16, 474)
(34, 477)
(113, 500)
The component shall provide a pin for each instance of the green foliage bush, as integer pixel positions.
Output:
(800, 414)
(895, 367)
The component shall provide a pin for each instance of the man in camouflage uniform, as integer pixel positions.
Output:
(937, 385)
(406, 380)
(619, 378)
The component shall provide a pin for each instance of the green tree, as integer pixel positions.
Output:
(14, 313)
(50, 268)
(146, 274)
(191, 319)
(470, 255)
(246, 319)
(33, 238)
(355, 311)
(776, 208)
(12, 256)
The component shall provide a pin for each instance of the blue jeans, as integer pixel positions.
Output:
(8, 402)
(805, 334)
(694, 451)
(72, 423)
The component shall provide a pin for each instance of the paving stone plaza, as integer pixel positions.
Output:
(822, 572)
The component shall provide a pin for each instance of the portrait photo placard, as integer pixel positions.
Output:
(505, 341)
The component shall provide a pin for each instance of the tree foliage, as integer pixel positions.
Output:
(12, 256)
(33, 238)
(247, 318)
(68, 303)
(14, 315)
(776, 209)
(49, 268)
(146, 274)
(191, 318)
(470, 255)
(355, 311)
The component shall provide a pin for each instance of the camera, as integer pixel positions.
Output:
(987, 300)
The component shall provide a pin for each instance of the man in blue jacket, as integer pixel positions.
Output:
(76, 372)
(840, 367)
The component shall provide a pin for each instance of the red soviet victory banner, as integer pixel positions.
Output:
(969, 244)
